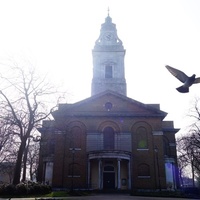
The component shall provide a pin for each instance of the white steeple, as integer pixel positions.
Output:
(108, 61)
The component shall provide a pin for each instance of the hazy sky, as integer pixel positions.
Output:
(58, 36)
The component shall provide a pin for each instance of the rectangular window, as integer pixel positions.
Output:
(51, 146)
(108, 71)
(109, 138)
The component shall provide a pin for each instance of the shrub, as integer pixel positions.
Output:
(9, 189)
(2, 189)
(24, 188)
(38, 188)
(21, 189)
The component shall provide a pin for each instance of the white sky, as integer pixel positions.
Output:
(58, 36)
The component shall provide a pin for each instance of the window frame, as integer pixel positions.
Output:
(108, 71)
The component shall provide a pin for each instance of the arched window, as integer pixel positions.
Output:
(109, 138)
(75, 137)
(142, 141)
(108, 71)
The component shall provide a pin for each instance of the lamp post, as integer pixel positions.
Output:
(72, 183)
(64, 157)
(73, 150)
(157, 163)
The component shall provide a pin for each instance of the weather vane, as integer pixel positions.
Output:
(108, 11)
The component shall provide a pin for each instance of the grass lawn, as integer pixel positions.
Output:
(57, 194)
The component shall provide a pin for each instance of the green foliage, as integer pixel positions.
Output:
(21, 189)
(57, 194)
(24, 188)
(10, 189)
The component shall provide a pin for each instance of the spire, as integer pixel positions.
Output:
(108, 37)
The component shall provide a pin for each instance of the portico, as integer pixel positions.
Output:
(109, 170)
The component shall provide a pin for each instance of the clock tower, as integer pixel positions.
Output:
(108, 61)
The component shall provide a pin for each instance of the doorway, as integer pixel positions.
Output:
(108, 180)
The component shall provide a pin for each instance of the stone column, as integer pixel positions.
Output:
(100, 178)
(49, 173)
(129, 174)
(89, 174)
(118, 174)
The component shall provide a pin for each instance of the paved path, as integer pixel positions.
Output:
(107, 197)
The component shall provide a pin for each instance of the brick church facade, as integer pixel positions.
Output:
(108, 141)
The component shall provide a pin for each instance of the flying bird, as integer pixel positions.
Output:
(186, 80)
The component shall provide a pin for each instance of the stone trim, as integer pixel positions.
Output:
(111, 154)
(157, 132)
(144, 176)
(142, 149)
(172, 144)
(169, 160)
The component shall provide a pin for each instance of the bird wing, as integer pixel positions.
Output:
(181, 76)
(197, 80)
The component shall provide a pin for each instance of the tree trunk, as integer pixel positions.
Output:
(31, 173)
(181, 178)
(17, 172)
(25, 161)
(192, 166)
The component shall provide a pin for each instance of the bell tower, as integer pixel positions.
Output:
(108, 61)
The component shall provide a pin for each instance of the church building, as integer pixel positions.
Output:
(109, 140)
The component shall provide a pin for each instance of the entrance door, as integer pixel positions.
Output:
(108, 180)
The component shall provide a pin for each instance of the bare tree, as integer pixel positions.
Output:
(25, 160)
(33, 159)
(193, 139)
(186, 155)
(23, 107)
(189, 144)
(182, 159)
(6, 168)
(8, 147)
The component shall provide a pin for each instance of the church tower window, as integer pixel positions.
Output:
(108, 71)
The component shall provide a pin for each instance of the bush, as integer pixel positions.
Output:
(9, 189)
(191, 191)
(38, 188)
(21, 189)
(2, 189)
(24, 188)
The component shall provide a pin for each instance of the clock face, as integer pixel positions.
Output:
(108, 36)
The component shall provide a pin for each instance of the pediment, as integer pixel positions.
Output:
(109, 103)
